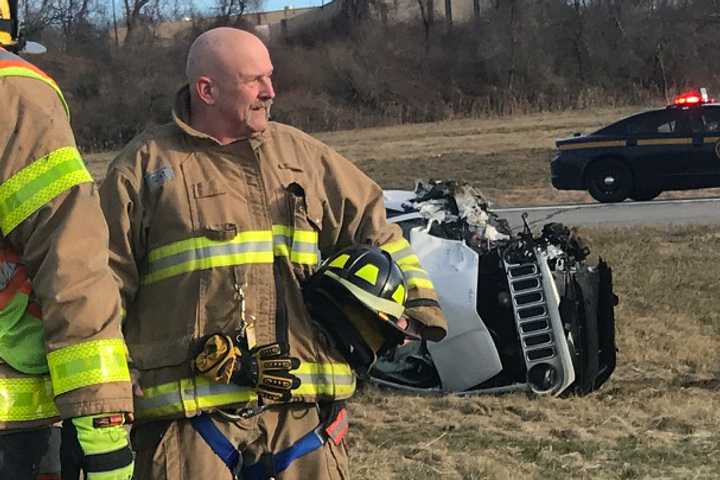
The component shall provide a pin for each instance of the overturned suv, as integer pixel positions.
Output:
(525, 310)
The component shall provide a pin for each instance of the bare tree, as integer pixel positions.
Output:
(427, 16)
(133, 11)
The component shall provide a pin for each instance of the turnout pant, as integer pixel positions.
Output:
(30, 454)
(174, 450)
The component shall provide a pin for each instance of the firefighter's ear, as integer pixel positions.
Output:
(205, 90)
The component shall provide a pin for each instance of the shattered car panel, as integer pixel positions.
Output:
(525, 310)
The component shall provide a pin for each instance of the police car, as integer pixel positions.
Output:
(638, 157)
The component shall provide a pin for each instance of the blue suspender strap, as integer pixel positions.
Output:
(282, 460)
(217, 441)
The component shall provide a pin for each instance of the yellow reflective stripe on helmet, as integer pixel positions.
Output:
(202, 253)
(369, 273)
(327, 380)
(399, 295)
(38, 183)
(301, 246)
(340, 261)
(88, 363)
(17, 69)
(24, 399)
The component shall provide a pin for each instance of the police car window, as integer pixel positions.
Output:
(711, 119)
(653, 123)
(618, 128)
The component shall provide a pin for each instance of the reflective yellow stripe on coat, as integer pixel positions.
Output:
(190, 396)
(402, 253)
(25, 399)
(250, 247)
(88, 363)
(38, 183)
(300, 245)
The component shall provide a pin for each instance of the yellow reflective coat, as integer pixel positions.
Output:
(206, 238)
(68, 359)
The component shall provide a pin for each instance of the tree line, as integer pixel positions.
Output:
(365, 69)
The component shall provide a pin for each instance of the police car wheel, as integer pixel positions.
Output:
(609, 180)
(645, 195)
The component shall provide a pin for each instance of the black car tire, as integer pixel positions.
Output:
(645, 195)
(609, 180)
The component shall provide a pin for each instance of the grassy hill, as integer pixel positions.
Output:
(658, 415)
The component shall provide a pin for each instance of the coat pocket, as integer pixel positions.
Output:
(303, 236)
(213, 205)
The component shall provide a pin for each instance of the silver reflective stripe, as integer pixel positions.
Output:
(305, 247)
(400, 254)
(212, 388)
(325, 379)
(207, 252)
(415, 274)
(189, 396)
(297, 245)
(163, 400)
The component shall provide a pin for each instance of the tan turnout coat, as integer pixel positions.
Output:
(50, 216)
(208, 238)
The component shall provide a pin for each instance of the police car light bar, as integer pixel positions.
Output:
(694, 97)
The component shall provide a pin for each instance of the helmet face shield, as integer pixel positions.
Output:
(358, 296)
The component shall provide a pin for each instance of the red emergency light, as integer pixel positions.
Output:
(694, 97)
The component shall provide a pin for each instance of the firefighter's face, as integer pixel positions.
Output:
(246, 92)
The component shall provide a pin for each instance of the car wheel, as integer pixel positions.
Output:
(609, 180)
(645, 194)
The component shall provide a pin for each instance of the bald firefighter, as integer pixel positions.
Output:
(216, 221)
(61, 351)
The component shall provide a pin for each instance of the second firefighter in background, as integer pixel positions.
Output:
(216, 220)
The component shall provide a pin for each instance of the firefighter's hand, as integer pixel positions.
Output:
(412, 327)
(98, 446)
(267, 368)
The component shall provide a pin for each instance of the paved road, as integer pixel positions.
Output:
(698, 211)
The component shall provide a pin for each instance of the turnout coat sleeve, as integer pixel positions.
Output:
(50, 215)
(354, 213)
(120, 196)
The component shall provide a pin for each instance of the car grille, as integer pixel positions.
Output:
(533, 311)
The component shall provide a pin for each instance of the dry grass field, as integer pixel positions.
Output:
(657, 417)
(507, 158)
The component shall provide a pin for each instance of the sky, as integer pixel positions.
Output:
(269, 5)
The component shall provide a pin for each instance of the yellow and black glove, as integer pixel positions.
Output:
(265, 367)
(218, 359)
(98, 446)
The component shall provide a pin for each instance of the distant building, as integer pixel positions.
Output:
(278, 24)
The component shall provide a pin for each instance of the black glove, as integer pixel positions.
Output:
(267, 368)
